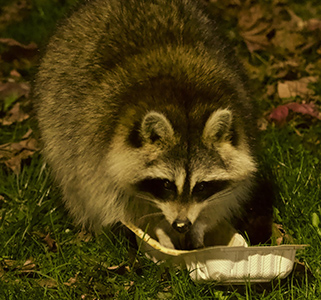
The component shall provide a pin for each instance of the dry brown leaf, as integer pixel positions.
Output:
(14, 12)
(262, 124)
(84, 236)
(288, 89)
(254, 27)
(119, 269)
(10, 263)
(2, 272)
(249, 17)
(6, 150)
(27, 134)
(15, 73)
(295, 23)
(13, 153)
(284, 68)
(15, 114)
(16, 89)
(71, 281)
(313, 24)
(129, 285)
(51, 243)
(48, 283)
(270, 90)
(18, 50)
(255, 40)
(28, 266)
(289, 41)
(14, 163)
(280, 236)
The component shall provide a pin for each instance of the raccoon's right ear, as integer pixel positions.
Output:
(155, 126)
(217, 127)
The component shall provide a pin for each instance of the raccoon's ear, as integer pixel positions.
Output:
(217, 126)
(156, 126)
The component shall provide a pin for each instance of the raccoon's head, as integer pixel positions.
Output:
(188, 177)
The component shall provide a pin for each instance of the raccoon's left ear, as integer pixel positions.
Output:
(155, 126)
(218, 126)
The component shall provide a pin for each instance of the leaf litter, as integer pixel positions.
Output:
(279, 32)
(15, 102)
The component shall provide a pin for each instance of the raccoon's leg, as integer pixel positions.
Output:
(163, 238)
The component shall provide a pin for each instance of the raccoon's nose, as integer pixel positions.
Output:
(182, 226)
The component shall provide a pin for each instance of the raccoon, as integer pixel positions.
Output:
(144, 115)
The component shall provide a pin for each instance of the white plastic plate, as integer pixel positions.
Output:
(236, 263)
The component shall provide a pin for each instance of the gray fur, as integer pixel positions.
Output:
(130, 90)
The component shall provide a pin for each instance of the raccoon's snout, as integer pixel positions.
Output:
(182, 226)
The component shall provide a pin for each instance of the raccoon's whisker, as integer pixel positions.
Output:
(145, 197)
(219, 197)
(150, 215)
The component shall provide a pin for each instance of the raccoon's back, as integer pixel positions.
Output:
(111, 63)
(107, 47)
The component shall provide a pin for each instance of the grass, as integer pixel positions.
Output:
(74, 267)
(40, 19)
(44, 256)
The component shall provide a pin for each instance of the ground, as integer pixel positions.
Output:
(44, 256)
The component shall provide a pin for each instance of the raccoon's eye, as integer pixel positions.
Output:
(206, 189)
(169, 185)
(159, 188)
(199, 187)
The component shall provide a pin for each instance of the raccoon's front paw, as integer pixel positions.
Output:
(163, 238)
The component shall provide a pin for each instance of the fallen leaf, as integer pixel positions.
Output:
(15, 114)
(14, 12)
(71, 281)
(18, 50)
(289, 89)
(28, 144)
(262, 124)
(28, 266)
(14, 163)
(280, 236)
(313, 24)
(52, 245)
(270, 90)
(2, 272)
(13, 153)
(120, 269)
(305, 109)
(48, 283)
(17, 89)
(23, 268)
(290, 20)
(129, 285)
(27, 134)
(280, 113)
(254, 27)
(15, 73)
(84, 236)
(10, 263)
(287, 40)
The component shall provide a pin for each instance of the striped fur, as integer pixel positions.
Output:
(138, 93)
